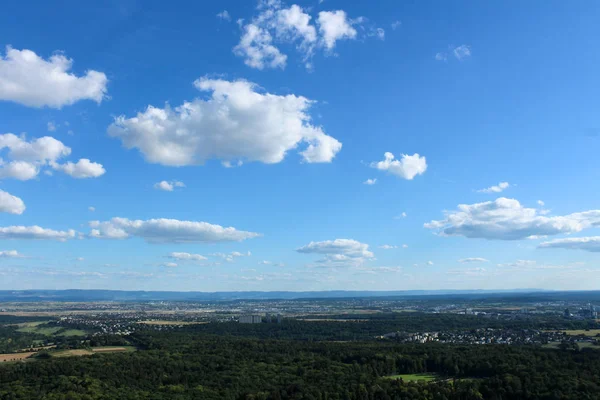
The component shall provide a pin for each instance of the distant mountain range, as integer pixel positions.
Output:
(118, 295)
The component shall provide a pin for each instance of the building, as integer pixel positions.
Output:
(250, 319)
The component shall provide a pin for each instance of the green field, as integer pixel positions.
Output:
(577, 332)
(41, 329)
(415, 377)
(73, 332)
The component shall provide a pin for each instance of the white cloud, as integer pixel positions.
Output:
(339, 252)
(405, 246)
(169, 265)
(92, 209)
(478, 271)
(396, 25)
(256, 46)
(80, 259)
(370, 181)
(168, 186)
(407, 167)
(82, 169)
(164, 230)
(35, 233)
(28, 79)
(334, 26)
(229, 257)
(380, 33)
(519, 263)
(388, 247)
(238, 122)
(441, 57)
(276, 24)
(462, 51)
(401, 216)
(28, 157)
(429, 262)
(541, 203)
(264, 262)
(507, 219)
(11, 254)
(186, 256)
(472, 260)
(11, 204)
(51, 126)
(496, 188)
(224, 15)
(581, 243)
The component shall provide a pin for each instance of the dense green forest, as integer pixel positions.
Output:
(186, 364)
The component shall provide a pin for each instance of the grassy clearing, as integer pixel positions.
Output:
(73, 332)
(42, 330)
(415, 377)
(581, 345)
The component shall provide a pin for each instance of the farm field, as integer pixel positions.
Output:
(167, 322)
(40, 328)
(577, 332)
(89, 352)
(15, 356)
(415, 377)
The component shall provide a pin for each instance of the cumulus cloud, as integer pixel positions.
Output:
(396, 25)
(35, 233)
(164, 230)
(370, 181)
(334, 26)
(51, 126)
(541, 203)
(80, 259)
(11, 204)
(496, 188)
(168, 186)
(429, 262)
(407, 167)
(28, 157)
(277, 24)
(401, 215)
(581, 243)
(11, 254)
(92, 209)
(339, 252)
(224, 15)
(29, 79)
(441, 56)
(186, 256)
(82, 169)
(462, 51)
(388, 247)
(507, 219)
(472, 260)
(238, 122)
(405, 246)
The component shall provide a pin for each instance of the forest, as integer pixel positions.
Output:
(188, 364)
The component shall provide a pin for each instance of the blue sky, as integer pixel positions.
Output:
(263, 125)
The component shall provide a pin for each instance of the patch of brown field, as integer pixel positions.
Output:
(165, 322)
(15, 356)
(108, 349)
(36, 349)
(69, 353)
(331, 320)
